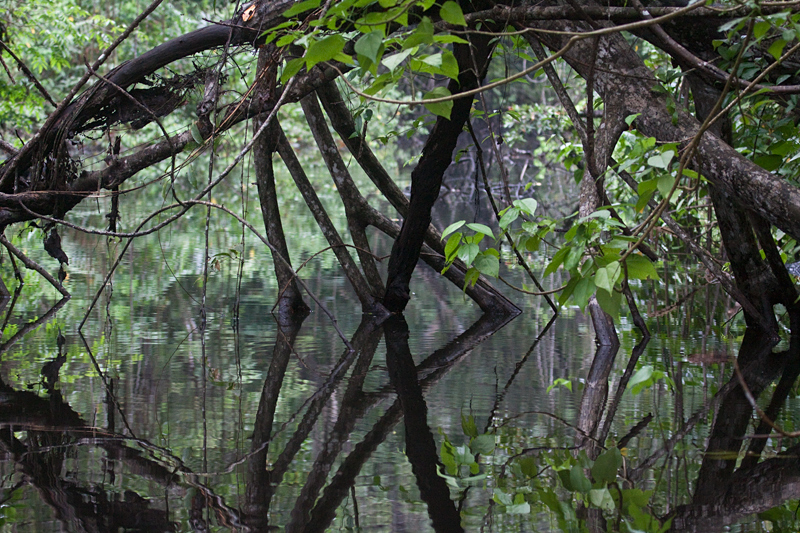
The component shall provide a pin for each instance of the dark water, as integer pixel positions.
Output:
(148, 422)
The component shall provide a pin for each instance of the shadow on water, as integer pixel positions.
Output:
(347, 417)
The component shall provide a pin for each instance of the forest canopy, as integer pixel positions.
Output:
(676, 125)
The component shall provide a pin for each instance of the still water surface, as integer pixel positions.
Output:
(152, 424)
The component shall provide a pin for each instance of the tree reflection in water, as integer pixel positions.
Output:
(40, 433)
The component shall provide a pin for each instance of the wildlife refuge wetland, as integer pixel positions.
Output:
(399, 265)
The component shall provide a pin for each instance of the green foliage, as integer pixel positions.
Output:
(557, 482)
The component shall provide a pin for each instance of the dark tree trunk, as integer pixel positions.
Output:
(347, 189)
(369, 303)
(290, 299)
(426, 179)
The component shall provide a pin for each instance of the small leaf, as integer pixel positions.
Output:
(768, 162)
(641, 375)
(451, 12)
(292, 67)
(482, 444)
(423, 34)
(481, 228)
(578, 480)
(502, 498)
(606, 465)
(760, 29)
(607, 276)
(452, 227)
(441, 109)
(301, 7)
(508, 217)
(449, 65)
(369, 45)
(661, 160)
(452, 246)
(557, 260)
(468, 253)
(324, 50)
(776, 48)
(602, 498)
(468, 426)
(640, 267)
(610, 303)
(519, 508)
(527, 205)
(196, 135)
(665, 183)
(487, 264)
(392, 62)
(583, 291)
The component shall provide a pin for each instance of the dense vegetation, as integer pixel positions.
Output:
(644, 164)
(603, 139)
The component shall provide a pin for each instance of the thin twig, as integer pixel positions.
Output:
(29, 263)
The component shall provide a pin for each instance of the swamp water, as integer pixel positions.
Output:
(149, 423)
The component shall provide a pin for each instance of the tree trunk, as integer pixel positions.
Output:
(426, 179)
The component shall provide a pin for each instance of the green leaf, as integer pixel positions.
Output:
(482, 444)
(630, 118)
(301, 7)
(607, 276)
(640, 267)
(527, 205)
(449, 65)
(760, 29)
(452, 246)
(783, 148)
(369, 45)
(559, 382)
(392, 62)
(578, 480)
(441, 109)
(463, 455)
(471, 277)
(452, 227)
(468, 426)
(451, 12)
(481, 228)
(487, 264)
(508, 217)
(661, 160)
(558, 258)
(449, 39)
(196, 135)
(665, 183)
(324, 50)
(583, 291)
(642, 375)
(468, 253)
(647, 186)
(768, 162)
(602, 499)
(423, 34)
(573, 257)
(448, 456)
(292, 67)
(604, 469)
(519, 508)
(610, 303)
(502, 498)
(643, 200)
(776, 48)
